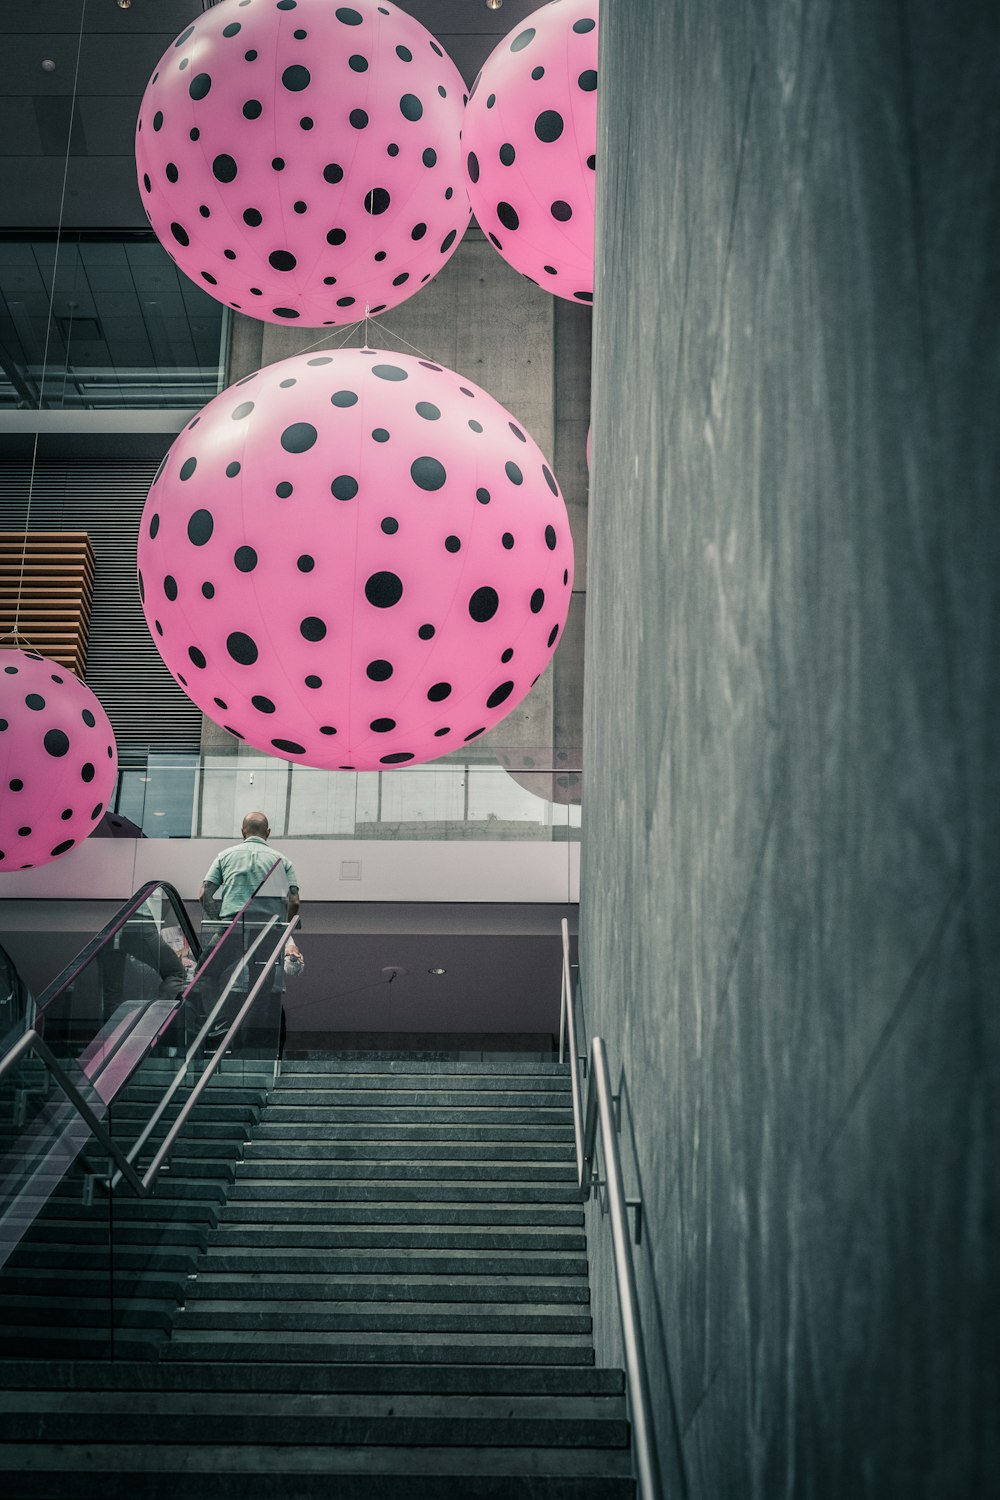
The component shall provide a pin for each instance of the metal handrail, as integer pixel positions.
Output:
(589, 1118)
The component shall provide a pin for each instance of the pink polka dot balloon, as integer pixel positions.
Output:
(355, 559)
(58, 760)
(530, 138)
(300, 159)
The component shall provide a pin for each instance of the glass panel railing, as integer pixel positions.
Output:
(534, 796)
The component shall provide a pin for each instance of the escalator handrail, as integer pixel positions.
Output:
(76, 966)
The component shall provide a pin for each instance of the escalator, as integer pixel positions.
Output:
(127, 1090)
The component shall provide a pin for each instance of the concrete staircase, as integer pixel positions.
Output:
(393, 1302)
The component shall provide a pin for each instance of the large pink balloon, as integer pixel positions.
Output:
(301, 159)
(58, 760)
(531, 140)
(355, 559)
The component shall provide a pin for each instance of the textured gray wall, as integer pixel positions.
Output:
(792, 732)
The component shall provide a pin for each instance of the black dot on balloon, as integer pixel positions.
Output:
(452, 544)
(336, 236)
(219, 703)
(484, 604)
(588, 80)
(448, 241)
(61, 848)
(208, 589)
(344, 487)
(305, 563)
(561, 210)
(500, 695)
(428, 473)
(507, 215)
(253, 217)
(344, 398)
(16, 785)
(261, 704)
(87, 771)
(299, 437)
(483, 496)
(513, 472)
(285, 312)
(583, 26)
(224, 167)
(429, 156)
(333, 173)
(253, 109)
(88, 718)
(403, 276)
(517, 432)
(305, 123)
(348, 16)
(146, 182)
(56, 742)
(232, 469)
(473, 166)
(235, 732)
(158, 120)
(170, 587)
(232, 29)
(24, 832)
(549, 125)
(428, 411)
(357, 63)
(313, 682)
(507, 540)
(171, 172)
(592, 162)
(494, 240)
(439, 692)
(389, 372)
(537, 600)
(154, 526)
(180, 234)
(377, 200)
(426, 632)
(245, 559)
(312, 628)
(384, 590)
(382, 726)
(282, 260)
(66, 814)
(300, 207)
(550, 479)
(197, 657)
(523, 39)
(207, 276)
(200, 85)
(390, 525)
(491, 100)
(550, 538)
(506, 656)
(392, 149)
(358, 118)
(410, 107)
(289, 746)
(379, 671)
(278, 163)
(242, 648)
(283, 490)
(552, 635)
(96, 811)
(200, 528)
(584, 296)
(380, 434)
(404, 54)
(188, 467)
(475, 734)
(296, 78)
(507, 155)
(439, 732)
(537, 73)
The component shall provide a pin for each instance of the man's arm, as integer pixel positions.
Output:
(206, 896)
(293, 902)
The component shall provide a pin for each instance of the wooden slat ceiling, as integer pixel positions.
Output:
(51, 573)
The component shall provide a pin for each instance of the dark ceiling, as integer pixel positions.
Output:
(119, 51)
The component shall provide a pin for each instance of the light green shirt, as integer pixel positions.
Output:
(239, 870)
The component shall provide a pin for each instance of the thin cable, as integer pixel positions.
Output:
(48, 321)
(398, 336)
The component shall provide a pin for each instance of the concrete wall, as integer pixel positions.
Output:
(792, 733)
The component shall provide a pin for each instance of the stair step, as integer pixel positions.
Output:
(287, 1377)
(374, 1237)
(294, 1287)
(220, 1315)
(494, 1214)
(274, 1260)
(398, 1098)
(268, 1148)
(443, 1117)
(309, 1129)
(513, 1068)
(361, 1077)
(387, 1348)
(391, 1190)
(253, 1169)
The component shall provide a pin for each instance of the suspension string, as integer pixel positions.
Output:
(316, 342)
(48, 321)
(399, 337)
